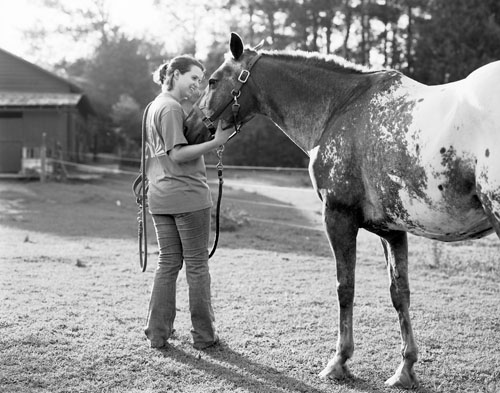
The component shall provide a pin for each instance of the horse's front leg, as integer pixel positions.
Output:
(342, 229)
(396, 254)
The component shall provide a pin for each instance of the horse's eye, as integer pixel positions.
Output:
(212, 82)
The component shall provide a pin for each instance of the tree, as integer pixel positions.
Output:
(261, 143)
(120, 72)
(256, 20)
(415, 11)
(118, 67)
(191, 21)
(348, 16)
(87, 21)
(460, 36)
(127, 113)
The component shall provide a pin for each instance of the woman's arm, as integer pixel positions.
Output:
(183, 153)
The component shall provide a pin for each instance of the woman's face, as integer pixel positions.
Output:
(188, 83)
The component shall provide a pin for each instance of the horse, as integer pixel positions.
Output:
(386, 154)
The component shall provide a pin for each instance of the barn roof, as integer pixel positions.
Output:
(27, 85)
(23, 99)
(18, 74)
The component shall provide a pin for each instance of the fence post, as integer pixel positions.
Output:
(43, 158)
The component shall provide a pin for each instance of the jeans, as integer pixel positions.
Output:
(181, 237)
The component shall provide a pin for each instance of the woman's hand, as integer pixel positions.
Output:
(183, 153)
(221, 136)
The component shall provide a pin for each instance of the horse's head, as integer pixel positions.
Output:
(227, 97)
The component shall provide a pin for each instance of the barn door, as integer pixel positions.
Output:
(11, 128)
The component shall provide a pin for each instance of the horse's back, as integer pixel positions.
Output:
(482, 89)
(486, 78)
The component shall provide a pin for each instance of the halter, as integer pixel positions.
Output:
(209, 121)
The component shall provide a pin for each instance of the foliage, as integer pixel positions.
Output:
(461, 36)
(431, 40)
(118, 68)
(118, 77)
(230, 219)
(261, 143)
(128, 114)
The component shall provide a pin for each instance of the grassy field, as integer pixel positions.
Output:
(74, 302)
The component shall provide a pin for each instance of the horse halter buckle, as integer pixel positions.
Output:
(207, 121)
(244, 75)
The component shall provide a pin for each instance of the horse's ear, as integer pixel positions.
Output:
(236, 45)
(259, 45)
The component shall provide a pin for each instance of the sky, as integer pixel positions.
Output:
(12, 20)
(136, 17)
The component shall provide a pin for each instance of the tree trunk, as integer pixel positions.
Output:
(365, 32)
(315, 27)
(250, 27)
(409, 41)
(348, 22)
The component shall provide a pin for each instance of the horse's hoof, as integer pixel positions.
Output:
(336, 371)
(403, 380)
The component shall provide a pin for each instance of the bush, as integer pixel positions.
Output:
(230, 219)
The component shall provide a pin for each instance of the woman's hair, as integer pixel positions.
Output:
(165, 73)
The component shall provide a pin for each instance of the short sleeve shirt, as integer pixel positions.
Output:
(173, 187)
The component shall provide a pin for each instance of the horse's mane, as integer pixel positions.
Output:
(329, 62)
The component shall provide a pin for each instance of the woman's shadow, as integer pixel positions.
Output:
(224, 363)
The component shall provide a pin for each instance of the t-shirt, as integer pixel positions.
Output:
(173, 187)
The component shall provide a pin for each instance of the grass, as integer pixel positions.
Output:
(74, 304)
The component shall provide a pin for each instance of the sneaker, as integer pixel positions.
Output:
(202, 346)
(159, 344)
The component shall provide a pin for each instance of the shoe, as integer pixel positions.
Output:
(202, 346)
(159, 344)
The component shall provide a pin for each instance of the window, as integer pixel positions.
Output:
(11, 115)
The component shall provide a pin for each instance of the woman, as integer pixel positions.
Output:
(179, 200)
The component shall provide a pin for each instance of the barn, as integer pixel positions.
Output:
(38, 107)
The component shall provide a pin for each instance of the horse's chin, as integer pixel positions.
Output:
(230, 124)
(227, 125)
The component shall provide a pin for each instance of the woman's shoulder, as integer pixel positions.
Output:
(166, 102)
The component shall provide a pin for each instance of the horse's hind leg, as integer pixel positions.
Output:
(342, 230)
(396, 254)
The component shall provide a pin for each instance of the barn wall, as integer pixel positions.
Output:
(53, 123)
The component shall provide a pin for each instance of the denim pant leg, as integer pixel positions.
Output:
(194, 230)
(161, 313)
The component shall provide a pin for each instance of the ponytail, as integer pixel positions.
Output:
(164, 75)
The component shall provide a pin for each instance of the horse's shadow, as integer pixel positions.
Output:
(223, 362)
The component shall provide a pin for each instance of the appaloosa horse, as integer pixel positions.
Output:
(387, 154)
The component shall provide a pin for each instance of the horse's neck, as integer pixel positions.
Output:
(302, 101)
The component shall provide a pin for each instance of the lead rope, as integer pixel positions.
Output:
(142, 201)
(142, 235)
(219, 167)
